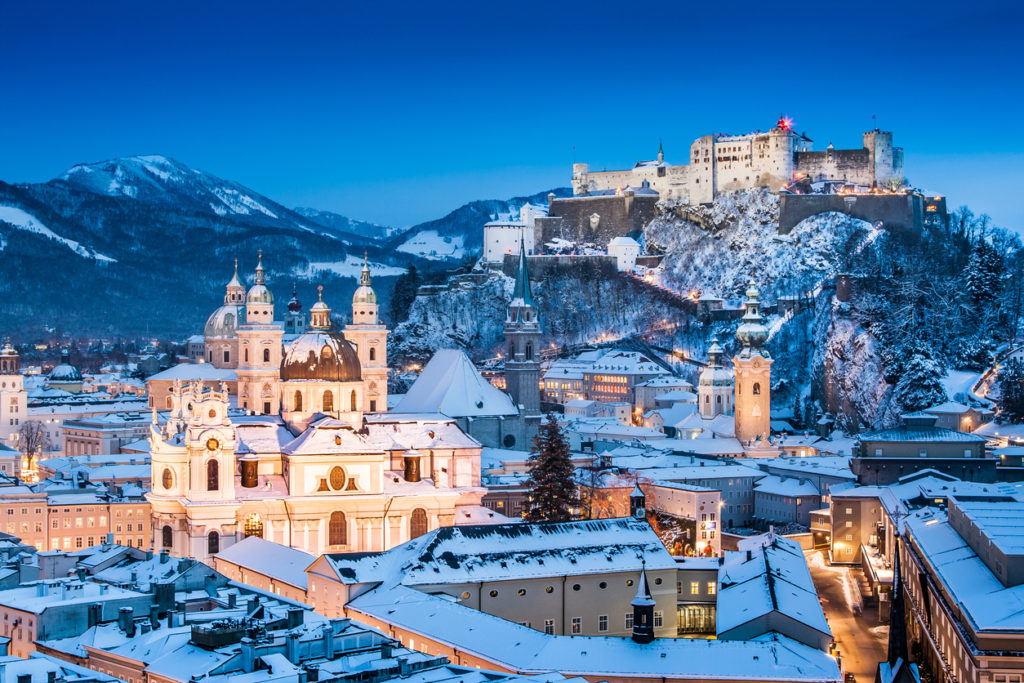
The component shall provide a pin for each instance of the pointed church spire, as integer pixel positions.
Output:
(364, 278)
(522, 289)
(261, 276)
(897, 617)
(643, 610)
(661, 151)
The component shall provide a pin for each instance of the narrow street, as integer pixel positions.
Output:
(861, 639)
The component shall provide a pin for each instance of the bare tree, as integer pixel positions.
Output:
(33, 439)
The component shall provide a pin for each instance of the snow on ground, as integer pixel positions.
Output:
(26, 221)
(851, 591)
(352, 266)
(430, 245)
(959, 382)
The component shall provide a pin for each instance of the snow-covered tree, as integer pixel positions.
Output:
(552, 487)
(1011, 391)
(920, 386)
(984, 273)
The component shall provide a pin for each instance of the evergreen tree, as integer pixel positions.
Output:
(1011, 391)
(984, 273)
(403, 293)
(920, 386)
(552, 486)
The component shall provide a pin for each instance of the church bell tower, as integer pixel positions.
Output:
(522, 341)
(753, 370)
(370, 338)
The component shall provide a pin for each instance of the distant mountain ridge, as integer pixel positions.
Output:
(145, 244)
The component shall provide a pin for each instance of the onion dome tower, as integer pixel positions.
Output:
(259, 348)
(294, 320)
(715, 385)
(370, 338)
(753, 369)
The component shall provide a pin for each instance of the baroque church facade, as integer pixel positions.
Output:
(311, 458)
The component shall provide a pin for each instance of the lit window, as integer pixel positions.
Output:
(712, 586)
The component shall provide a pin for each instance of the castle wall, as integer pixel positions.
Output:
(617, 215)
(895, 211)
(541, 265)
(851, 165)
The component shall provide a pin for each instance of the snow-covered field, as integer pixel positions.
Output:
(431, 245)
(26, 221)
(352, 266)
(959, 382)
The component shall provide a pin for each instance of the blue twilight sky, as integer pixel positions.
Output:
(398, 112)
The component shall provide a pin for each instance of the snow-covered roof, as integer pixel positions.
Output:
(949, 407)
(623, 241)
(628, 363)
(270, 559)
(667, 381)
(785, 486)
(921, 434)
(195, 371)
(769, 574)
(452, 386)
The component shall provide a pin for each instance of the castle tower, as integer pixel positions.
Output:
(370, 338)
(522, 339)
(294, 321)
(643, 611)
(259, 350)
(13, 397)
(715, 386)
(753, 370)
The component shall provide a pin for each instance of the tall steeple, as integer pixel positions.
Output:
(522, 339)
(643, 610)
(369, 337)
(753, 369)
(235, 294)
(259, 348)
(661, 152)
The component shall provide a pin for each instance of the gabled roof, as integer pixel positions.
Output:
(451, 385)
(270, 559)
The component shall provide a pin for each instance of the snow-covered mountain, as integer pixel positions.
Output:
(344, 224)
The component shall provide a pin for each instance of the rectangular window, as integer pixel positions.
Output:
(849, 524)
(659, 617)
(712, 587)
(549, 626)
(577, 625)
(849, 511)
(629, 621)
(967, 452)
(922, 452)
(878, 452)
(849, 537)
(694, 588)
(602, 623)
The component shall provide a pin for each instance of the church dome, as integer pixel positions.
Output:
(294, 305)
(259, 294)
(223, 322)
(321, 355)
(364, 295)
(65, 372)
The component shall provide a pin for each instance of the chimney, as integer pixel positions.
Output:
(295, 616)
(110, 538)
(154, 616)
(385, 650)
(312, 673)
(126, 621)
(170, 618)
(95, 614)
(248, 655)
(164, 556)
(232, 600)
(328, 635)
(412, 466)
(292, 647)
(250, 476)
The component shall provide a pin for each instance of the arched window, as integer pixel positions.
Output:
(529, 350)
(328, 402)
(757, 388)
(266, 355)
(418, 523)
(212, 475)
(212, 543)
(168, 537)
(246, 355)
(373, 353)
(337, 530)
(707, 399)
(352, 401)
(253, 525)
(298, 401)
(718, 400)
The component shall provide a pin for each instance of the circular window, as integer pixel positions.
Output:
(657, 582)
(212, 413)
(494, 594)
(629, 582)
(337, 478)
(167, 479)
(549, 589)
(575, 586)
(509, 441)
(522, 592)
(465, 595)
(602, 585)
